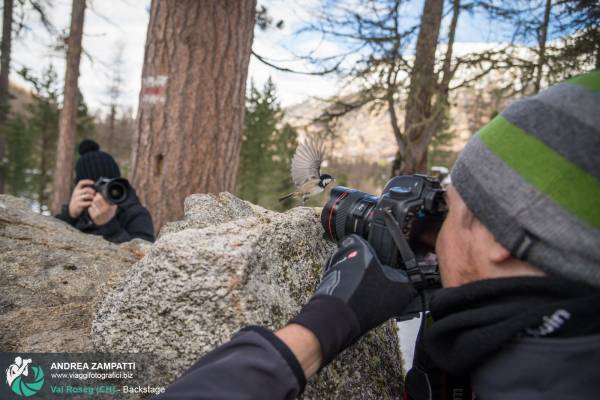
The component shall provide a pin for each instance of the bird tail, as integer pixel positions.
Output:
(287, 196)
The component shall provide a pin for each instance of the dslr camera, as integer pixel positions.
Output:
(116, 191)
(401, 225)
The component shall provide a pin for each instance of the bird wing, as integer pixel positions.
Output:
(306, 163)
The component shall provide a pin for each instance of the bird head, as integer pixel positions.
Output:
(325, 180)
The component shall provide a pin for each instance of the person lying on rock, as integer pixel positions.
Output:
(90, 212)
(518, 316)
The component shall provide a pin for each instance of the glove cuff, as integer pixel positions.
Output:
(332, 321)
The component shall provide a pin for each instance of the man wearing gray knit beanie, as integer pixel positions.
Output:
(519, 252)
(518, 316)
(531, 176)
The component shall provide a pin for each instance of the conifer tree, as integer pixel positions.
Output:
(191, 108)
(68, 115)
(267, 150)
(32, 136)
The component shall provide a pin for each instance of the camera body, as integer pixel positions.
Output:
(116, 191)
(416, 203)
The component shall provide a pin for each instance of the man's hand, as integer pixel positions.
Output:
(81, 198)
(357, 293)
(101, 211)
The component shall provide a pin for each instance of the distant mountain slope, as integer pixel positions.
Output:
(19, 98)
(367, 135)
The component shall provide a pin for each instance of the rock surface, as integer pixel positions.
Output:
(51, 278)
(229, 264)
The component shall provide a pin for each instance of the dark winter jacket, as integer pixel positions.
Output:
(131, 221)
(515, 338)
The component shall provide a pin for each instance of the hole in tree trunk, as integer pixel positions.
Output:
(158, 164)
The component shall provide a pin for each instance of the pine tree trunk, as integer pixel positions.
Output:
(191, 108)
(63, 171)
(441, 104)
(542, 46)
(7, 19)
(43, 182)
(422, 88)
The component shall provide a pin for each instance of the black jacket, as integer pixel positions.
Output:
(562, 364)
(131, 221)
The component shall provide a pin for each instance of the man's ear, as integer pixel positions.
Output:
(498, 253)
(492, 249)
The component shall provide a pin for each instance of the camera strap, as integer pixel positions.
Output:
(418, 382)
(408, 257)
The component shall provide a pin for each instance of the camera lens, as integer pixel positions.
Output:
(117, 192)
(348, 211)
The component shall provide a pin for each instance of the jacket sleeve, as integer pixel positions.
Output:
(138, 226)
(255, 364)
(64, 215)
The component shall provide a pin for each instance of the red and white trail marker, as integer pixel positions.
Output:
(153, 89)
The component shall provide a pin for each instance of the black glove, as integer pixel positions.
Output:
(356, 294)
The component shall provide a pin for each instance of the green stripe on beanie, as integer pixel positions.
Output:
(532, 177)
(553, 175)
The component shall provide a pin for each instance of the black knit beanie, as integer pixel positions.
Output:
(93, 163)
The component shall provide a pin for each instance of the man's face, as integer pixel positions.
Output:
(455, 243)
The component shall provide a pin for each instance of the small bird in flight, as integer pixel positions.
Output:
(306, 170)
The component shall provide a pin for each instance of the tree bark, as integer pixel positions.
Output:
(422, 88)
(441, 103)
(7, 19)
(191, 108)
(63, 171)
(43, 183)
(542, 46)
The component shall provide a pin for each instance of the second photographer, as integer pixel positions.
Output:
(99, 208)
